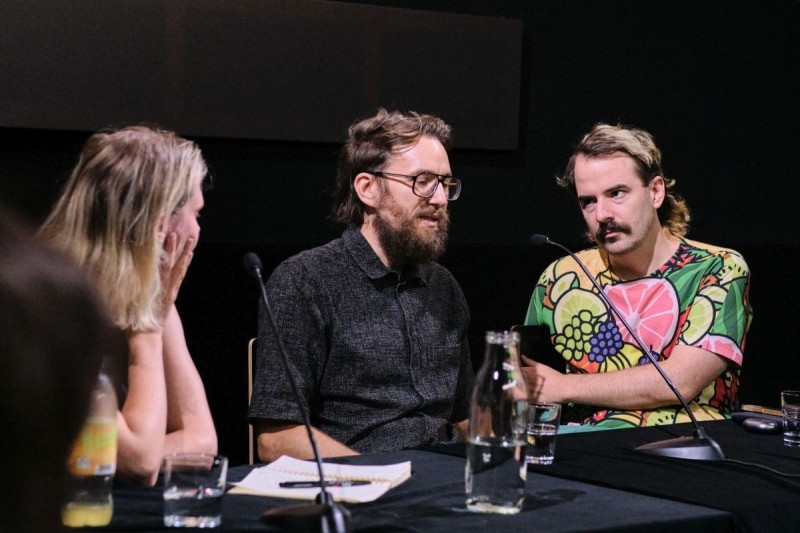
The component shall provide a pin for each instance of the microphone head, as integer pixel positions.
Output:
(252, 264)
(539, 240)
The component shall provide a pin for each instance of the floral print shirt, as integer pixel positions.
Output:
(698, 298)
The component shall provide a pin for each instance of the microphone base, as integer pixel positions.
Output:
(309, 517)
(698, 447)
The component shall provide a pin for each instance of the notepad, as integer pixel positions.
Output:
(265, 480)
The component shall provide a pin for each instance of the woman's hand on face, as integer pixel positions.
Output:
(175, 261)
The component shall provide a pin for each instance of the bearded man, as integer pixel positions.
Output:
(376, 330)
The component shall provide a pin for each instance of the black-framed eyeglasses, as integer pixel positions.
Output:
(425, 184)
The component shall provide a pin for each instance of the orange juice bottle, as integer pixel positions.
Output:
(93, 462)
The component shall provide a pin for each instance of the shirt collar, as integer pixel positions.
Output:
(366, 258)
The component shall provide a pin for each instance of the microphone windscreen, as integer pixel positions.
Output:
(252, 264)
(539, 240)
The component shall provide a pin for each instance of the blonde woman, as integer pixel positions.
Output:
(128, 215)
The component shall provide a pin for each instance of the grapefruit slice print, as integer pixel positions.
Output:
(725, 347)
(651, 308)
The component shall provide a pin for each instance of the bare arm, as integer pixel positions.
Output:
(690, 369)
(190, 427)
(160, 374)
(276, 438)
(142, 421)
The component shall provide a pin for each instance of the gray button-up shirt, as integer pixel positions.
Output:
(381, 357)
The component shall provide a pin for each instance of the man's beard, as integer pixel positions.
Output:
(409, 244)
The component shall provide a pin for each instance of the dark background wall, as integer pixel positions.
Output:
(716, 82)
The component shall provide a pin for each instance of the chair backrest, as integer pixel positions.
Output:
(251, 443)
(534, 343)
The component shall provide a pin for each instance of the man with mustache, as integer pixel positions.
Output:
(375, 329)
(687, 301)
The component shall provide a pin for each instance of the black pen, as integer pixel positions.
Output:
(312, 484)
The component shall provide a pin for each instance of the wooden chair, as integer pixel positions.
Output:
(251, 442)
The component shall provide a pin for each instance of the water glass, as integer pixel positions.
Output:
(790, 406)
(543, 422)
(193, 487)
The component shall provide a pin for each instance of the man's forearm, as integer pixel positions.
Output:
(634, 388)
(642, 387)
(292, 440)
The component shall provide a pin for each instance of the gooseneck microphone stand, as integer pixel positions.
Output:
(325, 514)
(699, 446)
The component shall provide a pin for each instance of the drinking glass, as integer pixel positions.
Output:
(193, 487)
(543, 422)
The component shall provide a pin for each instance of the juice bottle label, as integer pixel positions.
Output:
(94, 452)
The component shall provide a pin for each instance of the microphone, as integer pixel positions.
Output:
(699, 446)
(325, 514)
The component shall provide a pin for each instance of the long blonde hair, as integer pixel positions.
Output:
(126, 184)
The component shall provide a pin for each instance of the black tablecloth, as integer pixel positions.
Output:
(759, 499)
(433, 500)
(598, 483)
